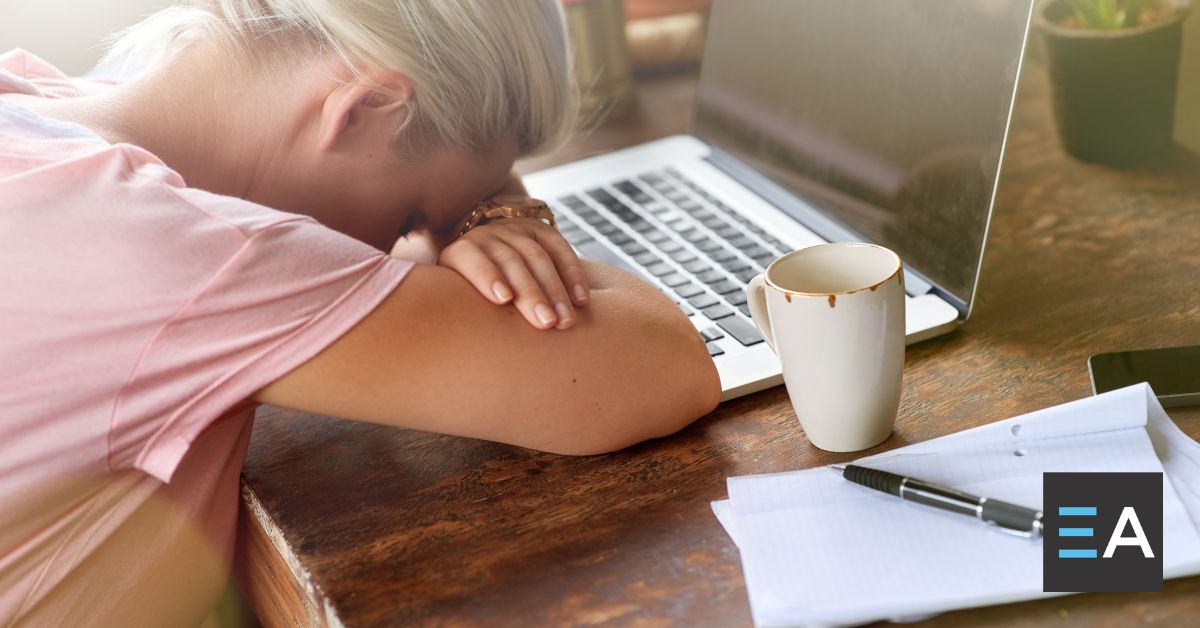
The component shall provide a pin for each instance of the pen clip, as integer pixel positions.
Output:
(1035, 532)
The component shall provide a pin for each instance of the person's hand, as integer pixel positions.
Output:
(523, 261)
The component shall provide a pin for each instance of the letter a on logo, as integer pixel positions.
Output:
(1128, 516)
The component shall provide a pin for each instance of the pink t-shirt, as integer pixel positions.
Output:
(137, 315)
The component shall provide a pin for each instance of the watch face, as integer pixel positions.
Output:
(514, 200)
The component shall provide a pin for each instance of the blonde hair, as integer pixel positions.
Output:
(481, 70)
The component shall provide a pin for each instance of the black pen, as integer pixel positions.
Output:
(1007, 517)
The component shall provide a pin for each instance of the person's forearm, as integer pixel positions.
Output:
(436, 356)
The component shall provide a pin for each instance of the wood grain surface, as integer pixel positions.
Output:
(369, 526)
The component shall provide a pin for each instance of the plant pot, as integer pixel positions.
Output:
(1113, 91)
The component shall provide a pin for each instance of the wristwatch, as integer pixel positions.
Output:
(508, 207)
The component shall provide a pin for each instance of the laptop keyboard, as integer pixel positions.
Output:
(679, 238)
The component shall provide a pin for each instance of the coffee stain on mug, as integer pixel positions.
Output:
(832, 301)
(788, 296)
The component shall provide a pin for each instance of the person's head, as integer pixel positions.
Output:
(385, 114)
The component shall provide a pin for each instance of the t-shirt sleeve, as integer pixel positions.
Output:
(289, 291)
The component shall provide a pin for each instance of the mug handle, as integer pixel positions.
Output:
(756, 298)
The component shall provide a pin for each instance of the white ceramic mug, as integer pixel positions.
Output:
(834, 314)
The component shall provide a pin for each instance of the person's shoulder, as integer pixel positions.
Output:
(27, 65)
(247, 217)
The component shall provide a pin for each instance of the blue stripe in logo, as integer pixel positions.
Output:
(1074, 531)
(1077, 511)
(1076, 553)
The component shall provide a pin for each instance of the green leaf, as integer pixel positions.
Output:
(1108, 14)
(1088, 12)
(1133, 11)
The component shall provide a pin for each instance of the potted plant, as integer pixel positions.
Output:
(1114, 68)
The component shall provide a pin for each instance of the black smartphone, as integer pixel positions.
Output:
(1173, 373)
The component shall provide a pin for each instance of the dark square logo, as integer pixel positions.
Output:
(1102, 532)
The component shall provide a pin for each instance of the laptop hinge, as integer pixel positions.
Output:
(820, 223)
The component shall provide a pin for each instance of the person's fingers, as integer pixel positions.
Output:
(570, 269)
(471, 262)
(527, 291)
(541, 266)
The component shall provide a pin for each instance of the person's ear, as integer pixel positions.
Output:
(362, 104)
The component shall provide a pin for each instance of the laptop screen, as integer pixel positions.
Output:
(888, 116)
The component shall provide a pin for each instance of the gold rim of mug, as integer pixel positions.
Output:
(767, 273)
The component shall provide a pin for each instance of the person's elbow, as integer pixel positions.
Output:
(667, 384)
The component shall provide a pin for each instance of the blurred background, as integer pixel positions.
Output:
(68, 33)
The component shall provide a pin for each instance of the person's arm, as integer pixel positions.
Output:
(436, 356)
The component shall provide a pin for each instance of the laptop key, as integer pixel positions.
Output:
(741, 242)
(623, 212)
(572, 201)
(711, 276)
(659, 269)
(702, 300)
(654, 235)
(746, 275)
(725, 286)
(717, 312)
(608, 228)
(671, 280)
(683, 256)
(693, 235)
(627, 187)
(708, 245)
(734, 265)
(744, 309)
(633, 248)
(728, 231)
(688, 290)
(722, 256)
(669, 246)
(687, 309)
(741, 329)
(711, 334)
(620, 238)
(600, 195)
(736, 298)
(697, 266)
(755, 251)
(764, 260)
(713, 349)
(647, 258)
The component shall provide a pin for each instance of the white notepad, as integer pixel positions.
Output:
(819, 550)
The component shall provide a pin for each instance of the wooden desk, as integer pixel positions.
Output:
(369, 526)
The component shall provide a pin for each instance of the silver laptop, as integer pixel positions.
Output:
(816, 121)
